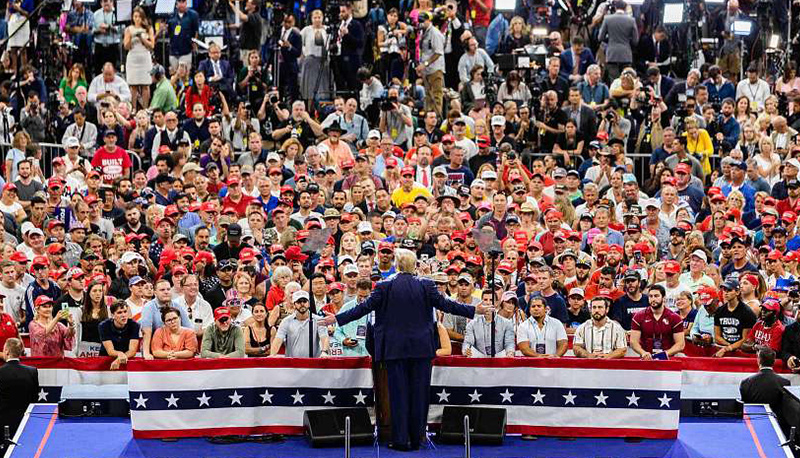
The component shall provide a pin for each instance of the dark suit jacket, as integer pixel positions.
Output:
(19, 387)
(292, 53)
(227, 72)
(353, 41)
(568, 61)
(404, 322)
(765, 387)
(587, 124)
(646, 52)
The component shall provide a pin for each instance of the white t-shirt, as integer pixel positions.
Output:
(10, 209)
(671, 299)
(548, 335)
(14, 300)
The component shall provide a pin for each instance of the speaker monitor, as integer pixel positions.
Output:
(486, 425)
(325, 427)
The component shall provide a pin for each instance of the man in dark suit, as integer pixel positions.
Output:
(582, 114)
(218, 71)
(350, 41)
(405, 337)
(291, 45)
(766, 387)
(576, 53)
(654, 49)
(661, 84)
(19, 386)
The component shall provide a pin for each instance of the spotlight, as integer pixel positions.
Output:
(673, 13)
(505, 6)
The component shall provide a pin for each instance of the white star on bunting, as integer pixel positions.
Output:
(328, 397)
(538, 397)
(506, 396)
(569, 398)
(42, 395)
(601, 399)
(475, 396)
(172, 401)
(360, 398)
(235, 398)
(664, 400)
(266, 397)
(633, 400)
(204, 400)
(141, 402)
(298, 398)
(444, 396)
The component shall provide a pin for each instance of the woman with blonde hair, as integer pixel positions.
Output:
(291, 148)
(19, 145)
(768, 162)
(748, 140)
(517, 37)
(698, 143)
(348, 245)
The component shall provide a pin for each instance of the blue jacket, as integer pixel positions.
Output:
(404, 325)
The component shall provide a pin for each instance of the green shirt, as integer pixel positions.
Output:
(217, 344)
(164, 96)
(69, 92)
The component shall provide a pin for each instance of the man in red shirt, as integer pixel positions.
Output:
(112, 160)
(768, 330)
(235, 197)
(657, 330)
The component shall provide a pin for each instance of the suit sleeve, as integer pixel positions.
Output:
(34, 396)
(362, 309)
(436, 300)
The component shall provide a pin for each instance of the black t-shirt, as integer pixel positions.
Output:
(576, 319)
(734, 323)
(250, 35)
(552, 120)
(623, 309)
(120, 337)
(66, 301)
(301, 130)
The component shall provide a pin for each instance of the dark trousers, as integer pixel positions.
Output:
(345, 74)
(288, 80)
(409, 389)
(451, 78)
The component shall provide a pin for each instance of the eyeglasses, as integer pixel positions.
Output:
(173, 319)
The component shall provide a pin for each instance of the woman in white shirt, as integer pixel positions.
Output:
(9, 202)
(768, 161)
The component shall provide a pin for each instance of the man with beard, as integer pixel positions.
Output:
(583, 267)
(633, 302)
(294, 331)
(672, 286)
(424, 171)
(224, 339)
(657, 332)
(133, 221)
(541, 335)
(732, 321)
(768, 330)
(602, 337)
(129, 268)
(185, 219)
(605, 281)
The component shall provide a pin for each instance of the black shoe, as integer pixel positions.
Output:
(399, 447)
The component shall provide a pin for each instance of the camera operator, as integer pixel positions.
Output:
(431, 63)
(689, 110)
(250, 29)
(453, 44)
(251, 82)
(396, 119)
(552, 121)
(392, 44)
(272, 113)
(299, 125)
(615, 125)
(371, 91)
(681, 91)
(33, 117)
(106, 36)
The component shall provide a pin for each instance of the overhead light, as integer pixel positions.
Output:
(505, 6)
(742, 28)
(774, 41)
(673, 13)
(715, 2)
(539, 31)
(635, 2)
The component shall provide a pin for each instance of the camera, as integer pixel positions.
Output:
(609, 117)
(387, 104)
(511, 156)
(273, 99)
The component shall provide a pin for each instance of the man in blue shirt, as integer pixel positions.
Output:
(729, 128)
(183, 26)
(738, 169)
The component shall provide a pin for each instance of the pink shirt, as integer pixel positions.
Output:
(60, 339)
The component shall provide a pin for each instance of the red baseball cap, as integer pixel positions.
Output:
(506, 267)
(407, 170)
(789, 217)
(221, 312)
(19, 256)
(56, 248)
(209, 207)
(706, 294)
(683, 168)
(604, 293)
(483, 141)
(336, 286)
(771, 304)
(717, 198)
(41, 300)
(53, 223)
(448, 139)
(347, 164)
(672, 267)
(204, 256)
(775, 255)
(768, 219)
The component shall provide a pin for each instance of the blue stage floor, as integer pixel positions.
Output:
(44, 435)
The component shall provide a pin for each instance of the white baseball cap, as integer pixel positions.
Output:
(364, 226)
(300, 294)
(498, 120)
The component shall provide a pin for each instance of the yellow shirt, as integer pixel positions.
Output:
(400, 196)
(702, 148)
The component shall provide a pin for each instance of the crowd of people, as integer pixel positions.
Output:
(218, 203)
